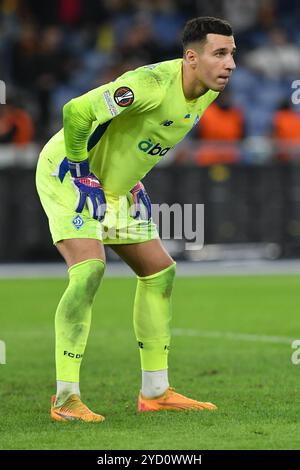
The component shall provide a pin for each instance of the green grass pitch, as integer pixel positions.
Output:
(253, 382)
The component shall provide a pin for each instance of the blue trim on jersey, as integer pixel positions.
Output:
(96, 135)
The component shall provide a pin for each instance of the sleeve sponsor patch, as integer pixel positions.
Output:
(110, 103)
(124, 96)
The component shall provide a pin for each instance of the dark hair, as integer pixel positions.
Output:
(197, 29)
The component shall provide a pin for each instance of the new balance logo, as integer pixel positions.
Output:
(166, 123)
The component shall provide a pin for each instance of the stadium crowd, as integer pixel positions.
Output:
(53, 51)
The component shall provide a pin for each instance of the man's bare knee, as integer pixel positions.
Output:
(76, 250)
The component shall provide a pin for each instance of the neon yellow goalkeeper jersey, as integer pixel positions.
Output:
(125, 127)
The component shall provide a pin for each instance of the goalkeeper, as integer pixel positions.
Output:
(89, 182)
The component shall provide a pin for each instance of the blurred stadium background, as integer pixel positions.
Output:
(242, 160)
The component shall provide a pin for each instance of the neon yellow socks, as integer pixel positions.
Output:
(152, 316)
(73, 318)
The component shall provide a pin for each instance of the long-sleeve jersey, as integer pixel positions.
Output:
(126, 126)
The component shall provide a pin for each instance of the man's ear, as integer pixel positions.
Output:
(191, 57)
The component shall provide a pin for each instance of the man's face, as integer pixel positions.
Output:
(212, 61)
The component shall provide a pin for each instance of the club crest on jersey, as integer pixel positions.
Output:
(124, 96)
(77, 222)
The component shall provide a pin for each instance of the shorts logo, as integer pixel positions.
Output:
(124, 96)
(77, 222)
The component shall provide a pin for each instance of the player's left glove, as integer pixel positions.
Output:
(140, 196)
(89, 189)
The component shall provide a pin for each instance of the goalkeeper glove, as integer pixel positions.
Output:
(140, 196)
(87, 185)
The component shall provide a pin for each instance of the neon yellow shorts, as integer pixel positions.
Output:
(59, 202)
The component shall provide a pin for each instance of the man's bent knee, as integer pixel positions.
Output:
(77, 250)
(87, 275)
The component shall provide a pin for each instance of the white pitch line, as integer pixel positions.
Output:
(177, 332)
(184, 268)
(233, 336)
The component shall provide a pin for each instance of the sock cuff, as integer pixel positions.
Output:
(160, 273)
(85, 262)
(154, 356)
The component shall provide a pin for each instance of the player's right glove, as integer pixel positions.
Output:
(89, 189)
(140, 196)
